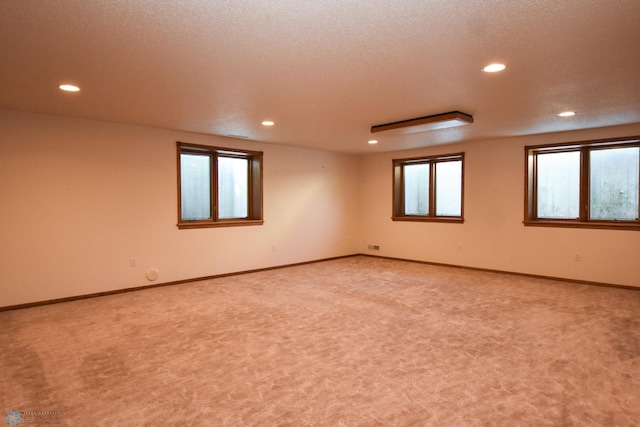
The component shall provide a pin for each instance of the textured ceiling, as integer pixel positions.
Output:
(325, 71)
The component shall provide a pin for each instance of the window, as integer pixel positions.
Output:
(428, 188)
(218, 186)
(584, 184)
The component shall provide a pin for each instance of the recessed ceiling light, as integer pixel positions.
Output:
(567, 114)
(373, 141)
(268, 123)
(493, 68)
(69, 88)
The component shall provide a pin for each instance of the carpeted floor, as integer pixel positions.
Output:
(358, 341)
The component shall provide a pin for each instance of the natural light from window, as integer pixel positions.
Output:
(591, 184)
(428, 188)
(614, 184)
(448, 185)
(195, 179)
(559, 185)
(232, 187)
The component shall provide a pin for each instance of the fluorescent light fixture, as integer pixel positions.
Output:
(268, 123)
(494, 68)
(69, 88)
(373, 141)
(567, 114)
(422, 124)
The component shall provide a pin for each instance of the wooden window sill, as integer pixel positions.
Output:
(428, 219)
(214, 224)
(618, 225)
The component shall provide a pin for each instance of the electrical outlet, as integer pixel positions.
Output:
(577, 257)
(133, 262)
(374, 247)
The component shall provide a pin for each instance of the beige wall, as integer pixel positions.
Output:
(493, 236)
(81, 198)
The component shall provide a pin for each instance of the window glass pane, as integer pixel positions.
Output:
(195, 186)
(416, 189)
(559, 185)
(614, 183)
(233, 193)
(449, 188)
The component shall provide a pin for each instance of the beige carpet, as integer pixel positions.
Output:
(358, 341)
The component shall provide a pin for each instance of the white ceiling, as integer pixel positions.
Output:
(327, 70)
